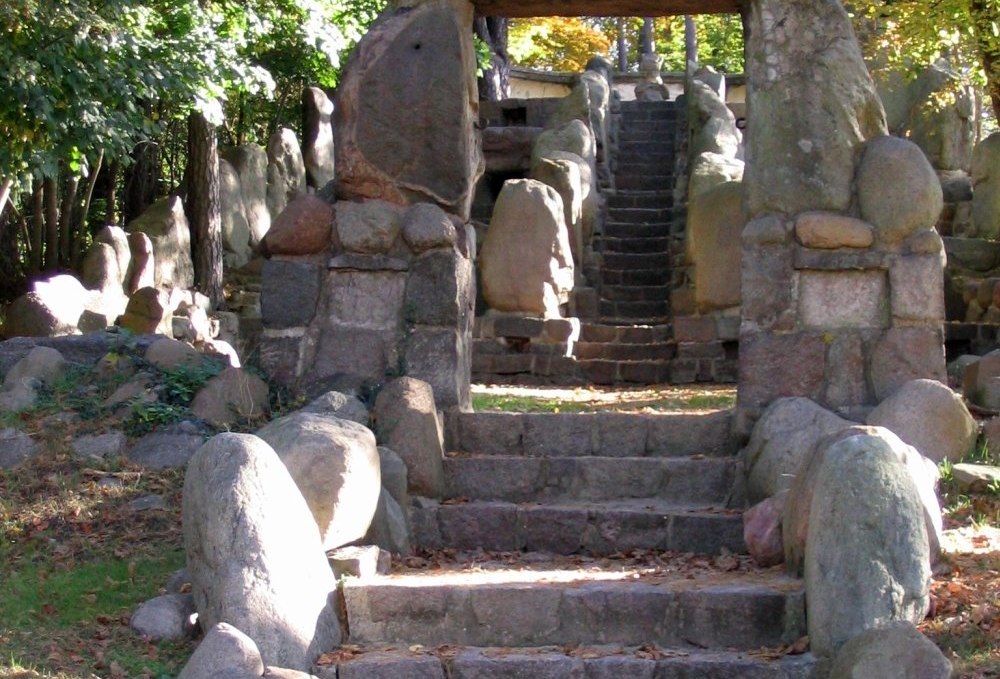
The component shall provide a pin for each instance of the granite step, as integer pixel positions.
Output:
(637, 276)
(532, 603)
(640, 215)
(610, 372)
(634, 309)
(635, 260)
(616, 333)
(640, 199)
(662, 351)
(603, 434)
(613, 229)
(585, 662)
(699, 480)
(635, 293)
(643, 182)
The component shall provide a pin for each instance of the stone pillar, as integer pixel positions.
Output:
(842, 270)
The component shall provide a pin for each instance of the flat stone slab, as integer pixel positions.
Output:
(594, 603)
(703, 480)
(588, 434)
(576, 528)
(587, 662)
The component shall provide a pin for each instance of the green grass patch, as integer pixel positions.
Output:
(668, 401)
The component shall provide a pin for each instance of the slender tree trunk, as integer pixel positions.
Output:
(141, 180)
(202, 207)
(50, 188)
(621, 45)
(690, 40)
(66, 219)
(984, 22)
(37, 239)
(646, 37)
(76, 250)
(494, 84)
(111, 196)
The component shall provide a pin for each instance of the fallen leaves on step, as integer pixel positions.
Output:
(797, 647)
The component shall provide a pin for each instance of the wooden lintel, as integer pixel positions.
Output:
(631, 8)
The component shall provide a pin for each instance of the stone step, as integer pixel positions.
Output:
(590, 662)
(641, 199)
(626, 293)
(613, 229)
(593, 528)
(641, 145)
(601, 434)
(697, 481)
(635, 309)
(663, 351)
(643, 182)
(616, 333)
(635, 260)
(633, 215)
(534, 606)
(609, 372)
(616, 276)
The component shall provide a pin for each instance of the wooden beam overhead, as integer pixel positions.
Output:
(601, 8)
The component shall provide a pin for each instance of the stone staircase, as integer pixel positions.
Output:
(626, 333)
(578, 546)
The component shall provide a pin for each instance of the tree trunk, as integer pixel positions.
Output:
(983, 18)
(203, 209)
(621, 45)
(646, 37)
(66, 219)
(37, 239)
(50, 188)
(76, 251)
(494, 84)
(141, 180)
(690, 40)
(111, 195)
(5, 187)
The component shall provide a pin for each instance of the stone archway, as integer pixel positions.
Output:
(842, 298)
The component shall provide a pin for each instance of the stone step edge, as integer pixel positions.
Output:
(593, 662)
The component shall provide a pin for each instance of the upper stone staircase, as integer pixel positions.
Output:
(578, 546)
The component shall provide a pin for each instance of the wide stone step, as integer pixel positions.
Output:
(531, 607)
(606, 372)
(634, 309)
(641, 199)
(695, 481)
(643, 182)
(631, 146)
(627, 230)
(635, 293)
(590, 662)
(662, 351)
(628, 334)
(640, 215)
(593, 434)
(637, 276)
(635, 260)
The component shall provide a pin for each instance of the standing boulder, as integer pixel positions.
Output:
(824, 120)
(235, 228)
(142, 267)
(224, 650)
(782, 441)
(286, 171)
(527, 262)
(148, 312)
(406, 421)
(564, 177)
(930, 417)
(335, 465)
(254, 556)
(304, 227)
(250, 163)
(101, 269)
(867, 551)
(317, 143)
(896, 651)
(762, 530)
(986, 187)
(42, 365)
(715, 223)
(168, 229)
(396, 138)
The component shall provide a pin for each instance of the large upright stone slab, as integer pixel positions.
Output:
(406, 110)
(167, 227)
(812, 106)
(317, 142)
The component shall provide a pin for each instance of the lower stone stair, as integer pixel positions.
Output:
(578, 546)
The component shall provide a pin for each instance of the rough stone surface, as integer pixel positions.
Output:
(564, 177)
(805, 52)
(116, 237)
(426, 226)
(31, 315)
(572, 137)
(304, 227)
(712, 169)
(142, 270)
(898, 190)
(782, 441)
(284, 280)
(389, 529)
(712, 122)
(286, 171)
(904, 354)
(359, 561)
(396, 138)
(231, 396)
(715, 222)
(406, 421)
(100, 268)
(917, 292)
(167, 617)
(526, 260)
(828, 230)
(335, 465)
(250, 163)
(775, 365)
(100, 446)
(254, 556)
(235, 228)
(762, 530)
(369, 227)
(843, 299)
(986, 187)
(16, 446)
(317, 142)
(338, 404)
(894, 651)
(168, 229)
(169, 354)
(440, 290)
(867, 562)
(42, 363)
(172, 446)
(224, 649)
(930, 417)
(394, 475)
(148, 312)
